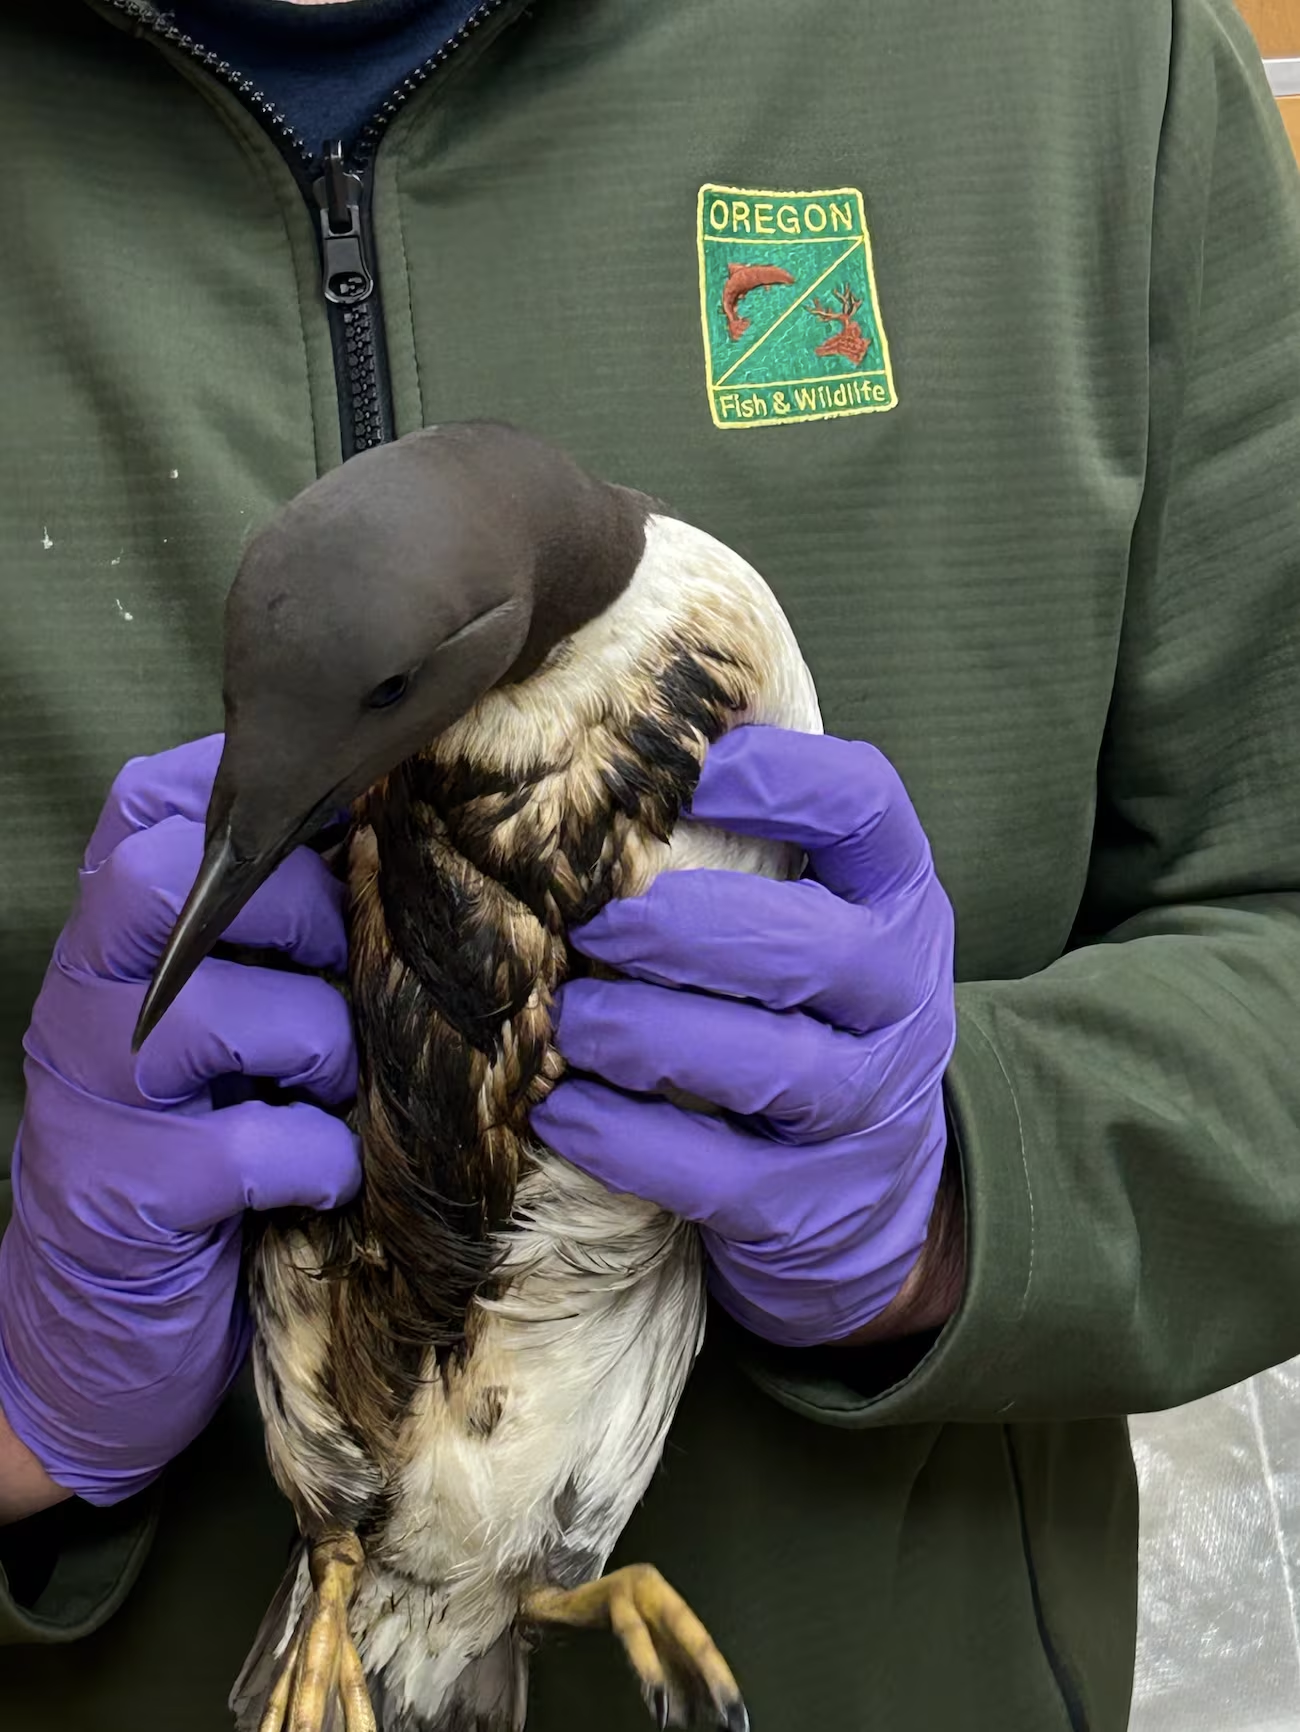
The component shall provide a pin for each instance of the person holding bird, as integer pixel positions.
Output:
(931, 1006)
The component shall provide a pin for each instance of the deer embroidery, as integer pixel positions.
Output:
(848, 340)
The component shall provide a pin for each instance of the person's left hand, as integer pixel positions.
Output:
(820, 1019)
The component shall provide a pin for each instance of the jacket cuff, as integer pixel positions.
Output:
(65, 1572)
(967, 1371)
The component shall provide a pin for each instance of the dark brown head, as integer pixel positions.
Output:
(370, 614)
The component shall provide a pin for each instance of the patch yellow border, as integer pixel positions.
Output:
(712, 386)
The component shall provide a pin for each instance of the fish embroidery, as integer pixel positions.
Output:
(741, 281)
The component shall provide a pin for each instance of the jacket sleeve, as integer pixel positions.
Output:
(1128, 1121)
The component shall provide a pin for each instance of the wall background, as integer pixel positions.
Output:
(1276, 24)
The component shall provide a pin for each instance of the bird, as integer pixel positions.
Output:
(502, 675)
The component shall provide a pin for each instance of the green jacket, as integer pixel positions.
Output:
(1051, 567)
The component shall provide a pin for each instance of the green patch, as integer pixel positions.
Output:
(792, 328)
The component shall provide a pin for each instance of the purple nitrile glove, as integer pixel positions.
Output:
(822, 1012)
(122, 1319)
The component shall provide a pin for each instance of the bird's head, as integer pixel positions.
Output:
(369, 615)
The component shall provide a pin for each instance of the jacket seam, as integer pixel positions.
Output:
(408, 288)
(979, 1028)
(1065, 1685)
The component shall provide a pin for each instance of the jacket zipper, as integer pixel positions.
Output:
(348, 284)
(339, 195)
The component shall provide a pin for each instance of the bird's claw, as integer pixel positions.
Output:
(671, 1652)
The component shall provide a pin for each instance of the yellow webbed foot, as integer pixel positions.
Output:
(321, 1664)
(671, 1652)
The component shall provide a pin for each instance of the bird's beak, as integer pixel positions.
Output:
(240, 856)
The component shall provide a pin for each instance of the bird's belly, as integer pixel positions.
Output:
(524, 1464)
(524, 1467)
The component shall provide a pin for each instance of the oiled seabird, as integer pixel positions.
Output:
(510, 672)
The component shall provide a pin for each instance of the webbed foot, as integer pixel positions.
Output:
(321, 1664)
(671, 1652)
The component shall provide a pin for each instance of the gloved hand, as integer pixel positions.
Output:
(821, 1012)
(122, 1319)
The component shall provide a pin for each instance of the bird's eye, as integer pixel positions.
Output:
(389, 692)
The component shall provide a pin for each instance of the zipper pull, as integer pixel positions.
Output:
(346, 275)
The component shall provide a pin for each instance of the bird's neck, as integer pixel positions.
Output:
(589, 540)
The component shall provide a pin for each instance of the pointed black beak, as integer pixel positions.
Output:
(229, 877)
(224, 885)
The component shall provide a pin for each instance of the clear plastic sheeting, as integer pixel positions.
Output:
(1219, 1577)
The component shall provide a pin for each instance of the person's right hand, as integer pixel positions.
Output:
(122, 1317)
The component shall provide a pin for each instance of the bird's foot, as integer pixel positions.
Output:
(674, 1656)
(321, 1664)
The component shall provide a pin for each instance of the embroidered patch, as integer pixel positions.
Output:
(792, 327)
